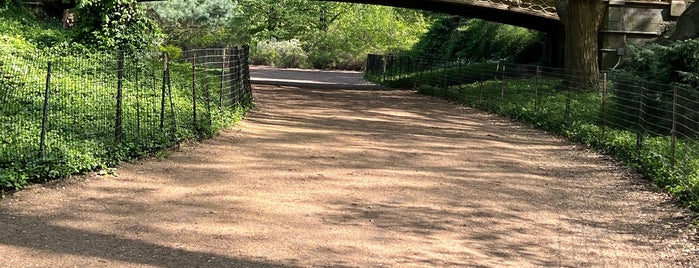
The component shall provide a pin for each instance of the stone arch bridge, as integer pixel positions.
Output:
(626, 21)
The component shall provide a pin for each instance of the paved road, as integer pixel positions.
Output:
(263, 75)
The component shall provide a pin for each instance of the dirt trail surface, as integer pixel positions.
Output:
(342, 177)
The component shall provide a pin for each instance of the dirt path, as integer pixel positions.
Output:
(354, 178)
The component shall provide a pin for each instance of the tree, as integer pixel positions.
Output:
(458, 37)
(115, 24)
(192, 23)
(581, 20)
(362, 29)
(278, 19)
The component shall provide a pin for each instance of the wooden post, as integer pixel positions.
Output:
(246, 75)
(235, 65)
(480, 94)
(639, 132)
(118, 124)
(172, 110)
(194, 93)
(223, 77)
(164, 90)
(44, 119)
(604, 105)
(138, 107)
(673, 145)
(536, 87)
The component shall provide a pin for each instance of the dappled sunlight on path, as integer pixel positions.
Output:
(351, 178)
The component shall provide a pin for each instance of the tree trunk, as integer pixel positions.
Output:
(582, 20)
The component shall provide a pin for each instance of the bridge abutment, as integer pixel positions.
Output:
(634, 22)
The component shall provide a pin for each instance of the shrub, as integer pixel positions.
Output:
(285, 54)
(677, 62)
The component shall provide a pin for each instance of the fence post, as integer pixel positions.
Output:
(639, 132)
(604, 105)
(444, 71)
(246, 75)
(502, 91)
(568, 100)
(417, 82)
(194, 92)
(383, 68)
(235, 66)
(480, 89)
(172, 110)
(431, 75)
(44, 119)
(536, 87)
(164, 90)
(673, 147)
(118, 125)
(207, 97)
(502, 84)
(223, 77)
(461, 75)
(399, 62)
(138, 106)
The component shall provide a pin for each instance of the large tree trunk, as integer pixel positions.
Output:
(582, 20)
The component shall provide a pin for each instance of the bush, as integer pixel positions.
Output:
(284, 54)
(677, 62)
(454, 37)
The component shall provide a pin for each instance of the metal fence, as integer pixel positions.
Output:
(652, 127)
(61, 114)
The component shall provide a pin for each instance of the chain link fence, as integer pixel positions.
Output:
(63, 114)
(652, 127)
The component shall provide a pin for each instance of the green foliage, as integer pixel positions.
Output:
(80, 130)
(195, 23)
(20, 25)
(115, 24)
(286, 54)
(278, 19)
(457, 37)
(173, 52)
(677, 62)
(332, 35)
(363, 29)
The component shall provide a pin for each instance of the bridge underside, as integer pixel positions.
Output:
(490, 12)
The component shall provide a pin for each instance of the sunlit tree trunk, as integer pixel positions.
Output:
(582, 20)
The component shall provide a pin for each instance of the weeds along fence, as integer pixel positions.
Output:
(652, 127)
(60, 115)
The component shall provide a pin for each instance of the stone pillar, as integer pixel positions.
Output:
(630, 22)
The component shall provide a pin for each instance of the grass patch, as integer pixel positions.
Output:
(80, 127)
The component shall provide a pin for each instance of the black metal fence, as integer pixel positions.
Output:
(61, 114)
(653, 127)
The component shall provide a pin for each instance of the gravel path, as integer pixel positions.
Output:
(340, 175)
